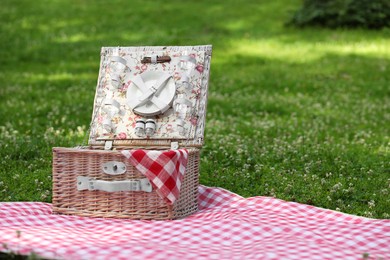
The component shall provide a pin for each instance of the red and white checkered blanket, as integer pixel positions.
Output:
(226, 227)
(164, 169)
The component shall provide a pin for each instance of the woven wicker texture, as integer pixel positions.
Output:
(69, 163)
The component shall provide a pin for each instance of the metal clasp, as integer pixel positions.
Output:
(114, 168)
(108, 145)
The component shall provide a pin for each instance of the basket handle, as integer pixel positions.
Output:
(86, 183)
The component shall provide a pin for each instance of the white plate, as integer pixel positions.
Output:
(164, 95)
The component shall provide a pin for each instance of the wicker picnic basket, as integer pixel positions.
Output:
(151, 98)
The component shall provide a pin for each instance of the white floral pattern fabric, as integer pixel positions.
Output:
(115, 79)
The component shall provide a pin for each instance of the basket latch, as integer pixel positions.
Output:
(86, 183)
(108, 145)
(174, 145)
(114, 168)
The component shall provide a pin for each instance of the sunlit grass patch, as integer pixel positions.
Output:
(298, 50)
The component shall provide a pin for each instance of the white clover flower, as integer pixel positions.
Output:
(337, 186)
(368, 214)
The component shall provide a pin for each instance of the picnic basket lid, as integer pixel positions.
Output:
(151, 96)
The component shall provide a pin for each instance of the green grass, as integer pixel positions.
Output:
(298, 114)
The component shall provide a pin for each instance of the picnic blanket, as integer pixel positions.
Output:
(226, 227)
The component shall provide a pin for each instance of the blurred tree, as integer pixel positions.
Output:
(372, 14)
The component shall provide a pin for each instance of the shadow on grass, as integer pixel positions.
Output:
(5, 256)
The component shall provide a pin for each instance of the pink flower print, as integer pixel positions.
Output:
(137, 117)
(196, 92)
(125, 87)
(121, 135)
(169, 128)
(144, 67)
(176, 76)
(192, 55)
(199, 68)
(194, 121)
(100, 119)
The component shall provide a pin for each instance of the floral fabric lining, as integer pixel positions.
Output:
(115, 78)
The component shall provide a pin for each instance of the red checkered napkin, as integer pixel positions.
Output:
(164, 169)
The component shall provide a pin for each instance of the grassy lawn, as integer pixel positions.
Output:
(298, 114)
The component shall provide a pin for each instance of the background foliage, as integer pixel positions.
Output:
(298, 114)
(373, 14)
